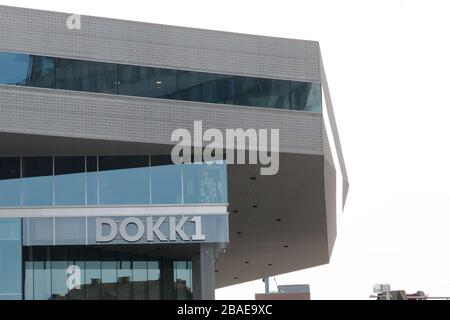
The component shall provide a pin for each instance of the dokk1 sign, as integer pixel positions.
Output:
(107, 229)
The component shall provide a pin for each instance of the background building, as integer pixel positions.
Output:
(86, 117)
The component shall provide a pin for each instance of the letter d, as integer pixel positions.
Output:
(99, 237)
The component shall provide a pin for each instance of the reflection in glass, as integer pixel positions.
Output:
(154, 280)
(59, 265)
(93, 273)
(9, 182)
(105, 274)
(85, 76)
(139, 278)
(124, 275)
(70, 181)
(101, 77)
(27, 70)
(182, 274)
(37, 181)
(75, 258)
(204, 183)
(109, 275)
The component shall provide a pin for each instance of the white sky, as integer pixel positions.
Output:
(388, 63)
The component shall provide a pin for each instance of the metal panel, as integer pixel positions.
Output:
(82, 230)
(101, 116)
(44, 32)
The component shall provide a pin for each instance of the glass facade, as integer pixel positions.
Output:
(10, 259)
(104, 274)
(69, 74)
(108, 181)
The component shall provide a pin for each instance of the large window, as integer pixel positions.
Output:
(10, 259)
(103, 274)
(9, 182)
(79, 75)
(124, 179)
(70, 181)
(37, 181)
(73, 181)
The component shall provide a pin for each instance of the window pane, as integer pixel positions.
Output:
(135, 80)
(93, 274)
(163, 83)
(109, 276)
(70, 181)
(183, 280)
(58, 274)
(154, 280)
(14, 68)
(37, 181)
(140, 278)
(124, 274)
(27, 70)
(42, 273)
(166, 181)
(91, 181)
(85, 76)
(124, 180)
(205, 183)
(91, 76)
(76, 258)
(9, 182)
(11, 259)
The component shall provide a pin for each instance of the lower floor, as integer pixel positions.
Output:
(181, 271)
(96, 273)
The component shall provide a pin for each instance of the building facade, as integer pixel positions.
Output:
(92, 206)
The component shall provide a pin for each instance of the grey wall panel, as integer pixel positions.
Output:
(109, 117)
(43, 32)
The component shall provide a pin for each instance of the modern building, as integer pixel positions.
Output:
(92, 205)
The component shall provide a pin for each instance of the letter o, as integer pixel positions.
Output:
(123, 229)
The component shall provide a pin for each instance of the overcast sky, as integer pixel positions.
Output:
(388, 68)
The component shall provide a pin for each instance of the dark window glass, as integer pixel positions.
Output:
(182, 274)
(37, 181)
(139, 278)
(93, 273)
(9, 182)
(70, 181)
(85, 76)
(90, 76)
(124, 180)
(154, 280)
(124, 277)
(135, 80)
(59, 265)
(104, 273)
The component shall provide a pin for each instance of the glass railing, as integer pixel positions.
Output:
(68, 74)
(109, 181)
